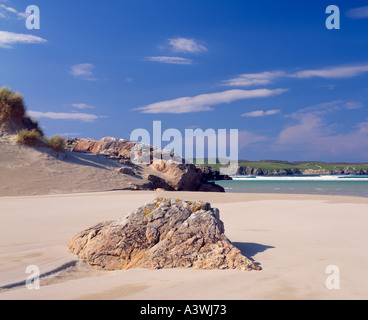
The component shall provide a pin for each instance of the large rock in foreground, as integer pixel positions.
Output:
(165, 233)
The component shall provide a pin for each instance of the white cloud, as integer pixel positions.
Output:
(84, 117)
(8, 39)
(313, 137)
(327, 108)
(353, 105)
(358, 13)
(338, 72)
(4, 9)
(82, 106)
(179, 45)
(308, 129)
(265, 78)
(83, 71)
(170, 60)
(204, 102)
(311, 134)
(260, 113)
(185, 45)
(250, 79)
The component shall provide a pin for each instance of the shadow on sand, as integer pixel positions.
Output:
(90, 160)
(249, 249)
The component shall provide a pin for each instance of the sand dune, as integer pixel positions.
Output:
(294, 238)
(31, 171)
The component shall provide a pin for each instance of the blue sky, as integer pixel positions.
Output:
(271, 69)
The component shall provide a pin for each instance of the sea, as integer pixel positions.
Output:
(346, 185)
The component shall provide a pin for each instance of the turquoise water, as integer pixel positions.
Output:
(326, 185)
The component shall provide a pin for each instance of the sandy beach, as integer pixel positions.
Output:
(183, 151)
(294, 238)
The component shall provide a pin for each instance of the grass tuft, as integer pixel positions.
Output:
(29, 137)
(11, 105)
(13, 118)
(56, 143)
(33, 138)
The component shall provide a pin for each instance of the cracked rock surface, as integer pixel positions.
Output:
(165, 233)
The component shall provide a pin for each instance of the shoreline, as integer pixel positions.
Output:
(260, 196)
(355, 187)
(292, 237)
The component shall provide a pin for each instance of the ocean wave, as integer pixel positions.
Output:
(301, 178)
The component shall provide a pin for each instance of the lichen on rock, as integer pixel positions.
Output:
(165, 233)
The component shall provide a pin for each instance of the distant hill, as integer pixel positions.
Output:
(280, 167)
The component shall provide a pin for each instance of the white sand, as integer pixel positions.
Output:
(293, 237)
(37, 171)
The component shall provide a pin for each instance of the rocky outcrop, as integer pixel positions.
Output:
(185, 177)
(168, 175)
(262, 172)
(165, 233)
(127, 171)
(311, 172)
(181, 176)
(210, 174)
(108, 146)
(158, 183)
(297, 171)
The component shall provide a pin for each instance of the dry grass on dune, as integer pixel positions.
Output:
(56, 143)
(14, 119)
(13, 115)
(30, 138)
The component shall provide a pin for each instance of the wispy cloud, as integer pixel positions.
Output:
(260, 113)
(326, 108)
(338, 72)
(84, 117)
(205, 102)
(83, 71)
(5, 9)
(179, 45)
(170, 60)
(312, 135)
(184, 45)
(8, 39)
(353, 105)
(82, 106)
(358, 13)
(265, 78)
(251, 79)
(309, 128)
